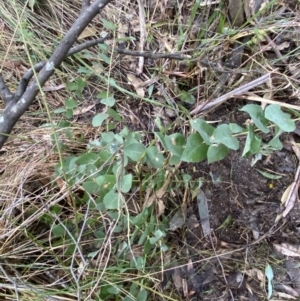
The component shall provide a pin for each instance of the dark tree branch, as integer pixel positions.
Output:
(86, 45)
(176, 56)
(21, 101)
(4, 91)
(85, 5)
(37, 67)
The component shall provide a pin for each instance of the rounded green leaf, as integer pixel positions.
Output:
(257, 115)
(87, 158)
(174, 160)
(142, 296)
(216, 152)
(107, 181)
(195, 150)
(282, 120)
(113, 200)
(110, 101)
(90, 187)
(175, 144)
(134, 151)
(154, 157)
(222, 134)
(113, 114)
(203, 128)
(109, 25)
(235, 128)
(126, 183)
(98, 119)
(70, 103)
(58, 231)
(253, 142)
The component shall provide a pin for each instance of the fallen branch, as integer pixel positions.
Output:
(233, 93)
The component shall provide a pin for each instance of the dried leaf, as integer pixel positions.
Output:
(88, 32)
(256, 273)
(287, 249)
(49, 88)
(11, 63)
(177, 279)
(137, 83)
(185, 288)
(280, 47)
(83, 110)
(160, 208)
(286, 194)
(178, 219)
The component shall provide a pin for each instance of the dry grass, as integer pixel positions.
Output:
(37, 265)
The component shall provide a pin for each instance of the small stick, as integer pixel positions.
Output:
(142, 36)
(237, 91)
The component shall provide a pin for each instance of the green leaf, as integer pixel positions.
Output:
(154, 157)
(158, 235)
(195, 150)
(110, 101)
(187, 97)
(113, 200)
(77, 86)
(59, 110)
(107, 137)
(174, 160)
(175, 144)
(115, 290)
(108, 25)
(105, 58)
(235, 128)
(257, 115)
(112, 113)
(137, 263)
(83, 70)
(269, 175)
(141, 217)
(99, 118)
(32, 3)
(107, 181)
(103, 47)
(126, 183)
(87, 158)
(70, 103)
(161, 138)
(186, 179)
(104, 94)
(223, 135)
(91, 187)
(134, 151)
(133, 289)
(203, 128)
(253, 142)
(58, 231)
(113, 83)
(69, 113)
(216, 152)
(283, 120)
(275, 141)
(270, 275)
(142, 296)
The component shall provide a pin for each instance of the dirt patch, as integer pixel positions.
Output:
(243, 205)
